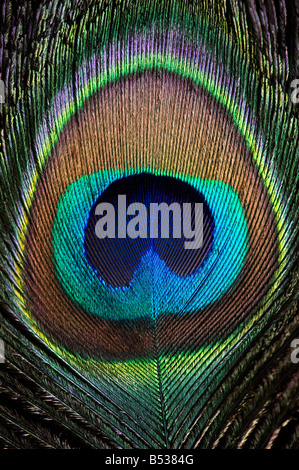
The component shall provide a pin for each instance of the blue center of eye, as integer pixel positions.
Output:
(155, 286)
(167, 220)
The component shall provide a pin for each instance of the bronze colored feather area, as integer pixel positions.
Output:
(207, 145)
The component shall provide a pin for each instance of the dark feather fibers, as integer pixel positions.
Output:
(131, 353)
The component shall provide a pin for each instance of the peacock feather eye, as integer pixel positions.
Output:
(156, 336)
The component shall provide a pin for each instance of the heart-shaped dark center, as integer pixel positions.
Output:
(117, 236)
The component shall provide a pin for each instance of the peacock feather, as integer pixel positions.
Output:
(140, 343)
